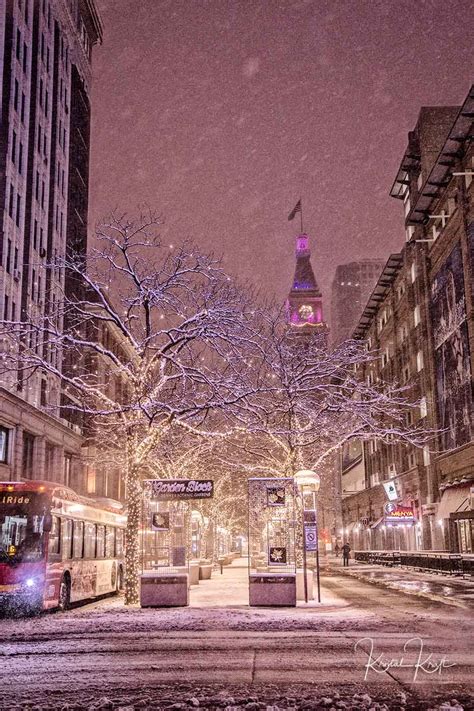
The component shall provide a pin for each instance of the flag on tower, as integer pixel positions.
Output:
(295, 210)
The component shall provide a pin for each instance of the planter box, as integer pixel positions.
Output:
(205, 571)
(194, 573)
(164, 589)
(272, 590)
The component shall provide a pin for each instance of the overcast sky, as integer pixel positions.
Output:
(222, 113)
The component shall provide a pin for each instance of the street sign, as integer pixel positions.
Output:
(311, 537)
(180, 489)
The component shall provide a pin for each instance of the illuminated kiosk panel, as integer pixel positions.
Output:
(165, 550)
(272, 545)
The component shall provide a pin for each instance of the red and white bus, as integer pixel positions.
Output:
(57, 547)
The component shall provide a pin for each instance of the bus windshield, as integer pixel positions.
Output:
(21, 528)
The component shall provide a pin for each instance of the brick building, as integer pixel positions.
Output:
(420, 318)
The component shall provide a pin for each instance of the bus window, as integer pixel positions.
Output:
(89, 540)
(78, 539)
(54, 547)
(66, 536)
(109, 542)
(119, 543)
(100, 551)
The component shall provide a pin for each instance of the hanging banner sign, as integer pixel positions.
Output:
(180, 489)
(399, 514)
(391, 490)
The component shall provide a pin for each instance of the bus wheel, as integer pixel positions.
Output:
(64, 593)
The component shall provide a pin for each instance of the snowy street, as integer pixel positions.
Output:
(105, 656)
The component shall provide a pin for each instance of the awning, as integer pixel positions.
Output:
(378, 522)
(454, 499)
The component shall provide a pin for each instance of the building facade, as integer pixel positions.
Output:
(420, 318)
(351, 288)
(45, 54)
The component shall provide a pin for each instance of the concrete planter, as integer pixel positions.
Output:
(205, 571)
(194, 573)
(272, 590)
(164, 589)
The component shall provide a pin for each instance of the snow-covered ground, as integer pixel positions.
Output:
(104, 656)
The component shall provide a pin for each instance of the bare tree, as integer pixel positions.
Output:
(147, 337)
(317, 399)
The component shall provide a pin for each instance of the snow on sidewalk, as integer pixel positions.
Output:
(448, 589)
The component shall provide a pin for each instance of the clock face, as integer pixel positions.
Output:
(306, 312)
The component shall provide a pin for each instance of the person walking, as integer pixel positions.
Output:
(337, 550)
(346, 549)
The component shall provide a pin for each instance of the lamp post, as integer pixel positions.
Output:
(309, 482)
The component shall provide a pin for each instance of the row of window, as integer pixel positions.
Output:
(81, 539)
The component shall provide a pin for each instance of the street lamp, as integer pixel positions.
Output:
(308, 483)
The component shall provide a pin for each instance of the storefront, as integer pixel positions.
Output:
(456, 517)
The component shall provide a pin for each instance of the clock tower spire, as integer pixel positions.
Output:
(304, 305)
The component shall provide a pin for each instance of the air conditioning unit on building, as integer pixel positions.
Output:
(392, 470)
(17, 275)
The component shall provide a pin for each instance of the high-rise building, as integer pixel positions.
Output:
(352, 285)
(45, 56)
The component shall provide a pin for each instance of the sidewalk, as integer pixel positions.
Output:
(231, 589)
(449, 589)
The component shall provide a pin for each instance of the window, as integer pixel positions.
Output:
(54, 544)
(49, 456)
(23, 103)
(66, 536)
(426, 455)
(13, 154)
(5, 308)
(18, 44)
(4, 437)
(90, 480)
(423, 407)
(100, 549)
(416, 315)
(78, 539)
(15, 95)
(27, 455)
(25, 57)
(413, 272)
(406, 373)
(109, 542)
(43, 392)
(11, 201)
(119, 542)
(18, 210)
(419, 361)
(89, 540)
(67, 469)
(20, 159)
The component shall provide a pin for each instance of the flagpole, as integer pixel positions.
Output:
(301, 216)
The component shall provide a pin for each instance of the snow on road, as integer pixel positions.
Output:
(104, 656)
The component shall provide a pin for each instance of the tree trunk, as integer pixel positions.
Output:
(132, 537)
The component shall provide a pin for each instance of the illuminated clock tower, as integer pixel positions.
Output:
(304, 305)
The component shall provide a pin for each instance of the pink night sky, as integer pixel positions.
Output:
(222, 113)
